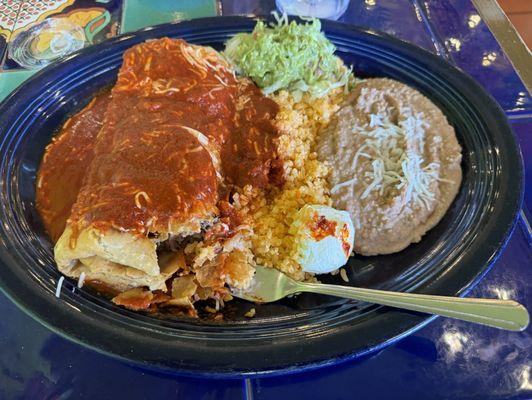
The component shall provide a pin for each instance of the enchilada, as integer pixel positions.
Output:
(179, 136)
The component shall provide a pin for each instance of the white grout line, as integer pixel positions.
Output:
(219, 7)
(248, 389)
(526, 223)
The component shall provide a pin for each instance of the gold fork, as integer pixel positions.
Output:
(270, 285)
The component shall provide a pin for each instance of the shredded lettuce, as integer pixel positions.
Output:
(288, 55)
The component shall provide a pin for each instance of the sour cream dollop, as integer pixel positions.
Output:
(324, 238)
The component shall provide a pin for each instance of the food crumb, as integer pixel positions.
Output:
(227, 297)
(250, 313)
(343, 274)
(59, 286)
(81, 280)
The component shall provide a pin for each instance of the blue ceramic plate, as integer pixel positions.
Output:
(303, 332)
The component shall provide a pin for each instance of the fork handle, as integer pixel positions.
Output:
(502, 314)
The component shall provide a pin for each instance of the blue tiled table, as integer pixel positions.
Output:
(444, 360)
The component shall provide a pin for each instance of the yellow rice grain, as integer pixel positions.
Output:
(250, 313)
(273, 212)
(343, 275)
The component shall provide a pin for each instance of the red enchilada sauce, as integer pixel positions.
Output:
(65, 163)
(321, 227)
(148, 167)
